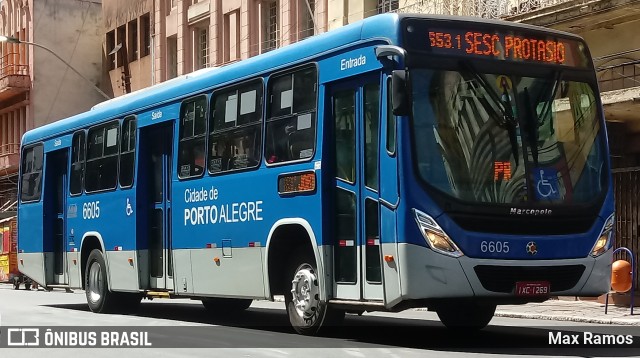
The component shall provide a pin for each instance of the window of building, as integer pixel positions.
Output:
(387, 6)
(232, 36)
(32, 159)
(306, 13)
(102, 157)
(191, 148)
(236, 128)
(145, 35)
(110, 45)
(172, 57)
(77, 163)
(121, 38)
(128, 152)
(132, 44)
(201, 48)
(269, 25)
(291, 122)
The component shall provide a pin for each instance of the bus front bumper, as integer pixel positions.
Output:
(427, 274)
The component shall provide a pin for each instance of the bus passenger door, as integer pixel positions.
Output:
(357, 260)
(54, 215)
(156, 159)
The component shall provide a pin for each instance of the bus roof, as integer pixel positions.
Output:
(375, 27)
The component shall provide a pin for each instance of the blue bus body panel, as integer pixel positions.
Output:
(31, 223)
(348, 64)
(115, 226)
(241, 208)
(58, 143)
(157, 115)
(548, 246)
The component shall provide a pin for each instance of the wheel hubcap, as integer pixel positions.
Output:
(305, 292)
(95, 282)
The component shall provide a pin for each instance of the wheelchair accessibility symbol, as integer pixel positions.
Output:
(129, 209)
(546, 183)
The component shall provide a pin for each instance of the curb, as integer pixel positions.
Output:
(548, 317)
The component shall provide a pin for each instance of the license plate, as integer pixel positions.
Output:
(532, 288)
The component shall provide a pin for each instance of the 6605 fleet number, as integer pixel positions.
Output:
(501, 247)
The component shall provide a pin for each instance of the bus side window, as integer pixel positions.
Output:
(103, 148)
(235, 140)
(128, 152)
(191, 160)
(31, 186)
(291, 125)
(77, 163)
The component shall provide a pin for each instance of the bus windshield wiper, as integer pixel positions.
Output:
(546, 108)
(509, 121)
(535, 121)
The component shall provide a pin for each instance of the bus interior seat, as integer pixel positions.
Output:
(301, 144)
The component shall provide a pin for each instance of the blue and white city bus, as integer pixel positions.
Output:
(401, 161)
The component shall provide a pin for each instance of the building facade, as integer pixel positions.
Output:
(151, 41)
(37, 88)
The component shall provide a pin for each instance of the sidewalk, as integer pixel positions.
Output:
(576, 311)
(565, 310)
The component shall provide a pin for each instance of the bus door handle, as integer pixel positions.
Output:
(390, 205)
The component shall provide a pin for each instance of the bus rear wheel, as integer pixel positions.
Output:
(222, 306)
(99, 298)
(308, 315)
(465, 315)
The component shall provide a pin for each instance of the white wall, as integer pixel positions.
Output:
(73, 30)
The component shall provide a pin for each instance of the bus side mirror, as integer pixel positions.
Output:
(400, 93)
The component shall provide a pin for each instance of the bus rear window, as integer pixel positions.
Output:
(32, 159)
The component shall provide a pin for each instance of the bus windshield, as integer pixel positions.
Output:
(506, 139)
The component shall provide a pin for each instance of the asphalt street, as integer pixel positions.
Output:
(175, 327)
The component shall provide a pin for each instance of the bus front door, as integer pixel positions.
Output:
(54, 217)
(156, 164)
(356, 251)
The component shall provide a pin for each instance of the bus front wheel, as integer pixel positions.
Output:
(466, 315)
(307, 313)
(99, 298)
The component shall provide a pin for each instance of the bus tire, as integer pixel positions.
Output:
(99, 298)
(224, 306)
(308, 315)
(469, 316)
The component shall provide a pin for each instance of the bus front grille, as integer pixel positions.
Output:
(537, 225)
(504, 278)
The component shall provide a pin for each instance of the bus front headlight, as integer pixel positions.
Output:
(435, 237)
(605, 238)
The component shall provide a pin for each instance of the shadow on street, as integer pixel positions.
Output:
(269, 328)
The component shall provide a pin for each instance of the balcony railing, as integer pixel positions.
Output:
(10, 67)
(620, 76)
(491, 9)
(11, 148)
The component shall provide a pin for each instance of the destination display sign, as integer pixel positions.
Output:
(497, 44)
